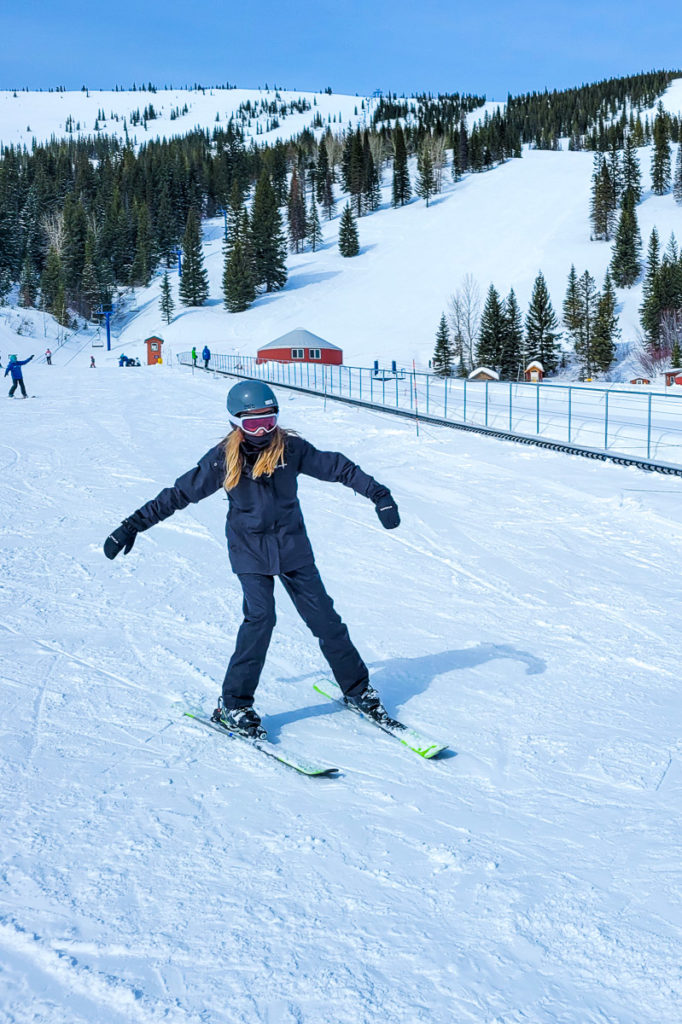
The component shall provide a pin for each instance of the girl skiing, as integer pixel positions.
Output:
(257, 464)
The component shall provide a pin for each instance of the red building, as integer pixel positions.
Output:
(300, 346)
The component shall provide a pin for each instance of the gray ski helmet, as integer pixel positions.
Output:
(248, 395)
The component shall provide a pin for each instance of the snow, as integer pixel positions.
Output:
(154, 872)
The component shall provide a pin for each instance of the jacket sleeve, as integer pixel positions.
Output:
(206, 478)
(335, 467)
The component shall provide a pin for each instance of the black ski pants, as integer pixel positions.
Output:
(18, 384)
(316, 608)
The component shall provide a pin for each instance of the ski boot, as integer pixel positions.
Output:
(369, 703)
(244, 721)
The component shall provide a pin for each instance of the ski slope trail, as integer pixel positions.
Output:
(525, 611)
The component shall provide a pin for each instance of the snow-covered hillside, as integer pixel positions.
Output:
(524, 610)
(501, 227)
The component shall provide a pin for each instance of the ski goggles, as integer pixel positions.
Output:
(257, 425)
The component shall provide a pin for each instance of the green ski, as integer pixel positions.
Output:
(416, 741)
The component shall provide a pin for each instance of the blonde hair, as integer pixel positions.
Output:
(266, 463)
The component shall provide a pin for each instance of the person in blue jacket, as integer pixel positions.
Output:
(14, 367)
(206, 355)
(258, 464)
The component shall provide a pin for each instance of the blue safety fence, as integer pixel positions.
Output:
(645, 425)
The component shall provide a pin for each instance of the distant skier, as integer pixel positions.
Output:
(92, 363)
(257, 464)
(122, 360)
(194, 355)
(48, 356)
(206, 356)
(14, 367)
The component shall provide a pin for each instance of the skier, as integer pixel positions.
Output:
(14, 367)
(122, 360)
(257, 464)
(92, 363)
(206, 355)
(48, 356)
(194, 355)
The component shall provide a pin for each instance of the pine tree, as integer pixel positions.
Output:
(356, 175)
(606, 328)
(601, 211)
(660, 160)
(267, 238)
(426, 185)
(401, 176)
(584, 324)
(442, 353)
(511, 357)
(632, 174)
(51, 281)
(677, 180)
(235, 210)
(571, 308)
(297, 214)
(28, 283)
(371, 185)
(349, 244)
(542, 334)
(322, 171)
(491, 334)
(676, 355)
(626, 261)
(314, 235)
(238, 284)
(90, 287)
(648, 311)
(166, 304)
(141, 270)
(194, 281)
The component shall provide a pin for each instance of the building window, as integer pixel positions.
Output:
(298, 353)
(315, 353)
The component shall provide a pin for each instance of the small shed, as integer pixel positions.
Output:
(673, 376)
(640, 380)
(154, 346)
(300, 346)
(483, 373)
(534, 372)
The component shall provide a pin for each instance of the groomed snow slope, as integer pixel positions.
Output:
(524, 610)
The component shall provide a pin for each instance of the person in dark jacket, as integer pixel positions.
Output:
(14, 367)
(258, 464)
(206, 356)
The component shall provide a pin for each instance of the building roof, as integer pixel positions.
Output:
(493, 374)
(299, 338)
(535, 365)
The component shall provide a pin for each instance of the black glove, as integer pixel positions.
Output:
(121, 539)
(387, 510)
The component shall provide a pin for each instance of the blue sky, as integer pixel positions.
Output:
(427, 45)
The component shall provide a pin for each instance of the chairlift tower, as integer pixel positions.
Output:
(178, 252)
(107, 314)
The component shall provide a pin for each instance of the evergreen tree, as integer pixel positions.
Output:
(648, 311)
(90, 287)
(426, 185)
(235, 210)
(297, 214)
(356, 173)
(626, 261)
(606, 328)
(583, 329)
(166, 304)
(141, 270)
(571, 308)
(511, 357)
(542, 334)
(267, 238)
(602, 206)
(28, 284)
(371, 178)
(677, 180)
(238, 284)
(52, 282)
(193, 289)
(676, 355)
(491, 335)
(349, 244)
(660, 160)
(401, 176)
(314, 230)
(632, 174)
(73, 247)
(442, 353)
(322, 171)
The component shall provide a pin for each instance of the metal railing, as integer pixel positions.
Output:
(644, 424)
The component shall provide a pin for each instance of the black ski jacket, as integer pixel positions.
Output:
(265, 529)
